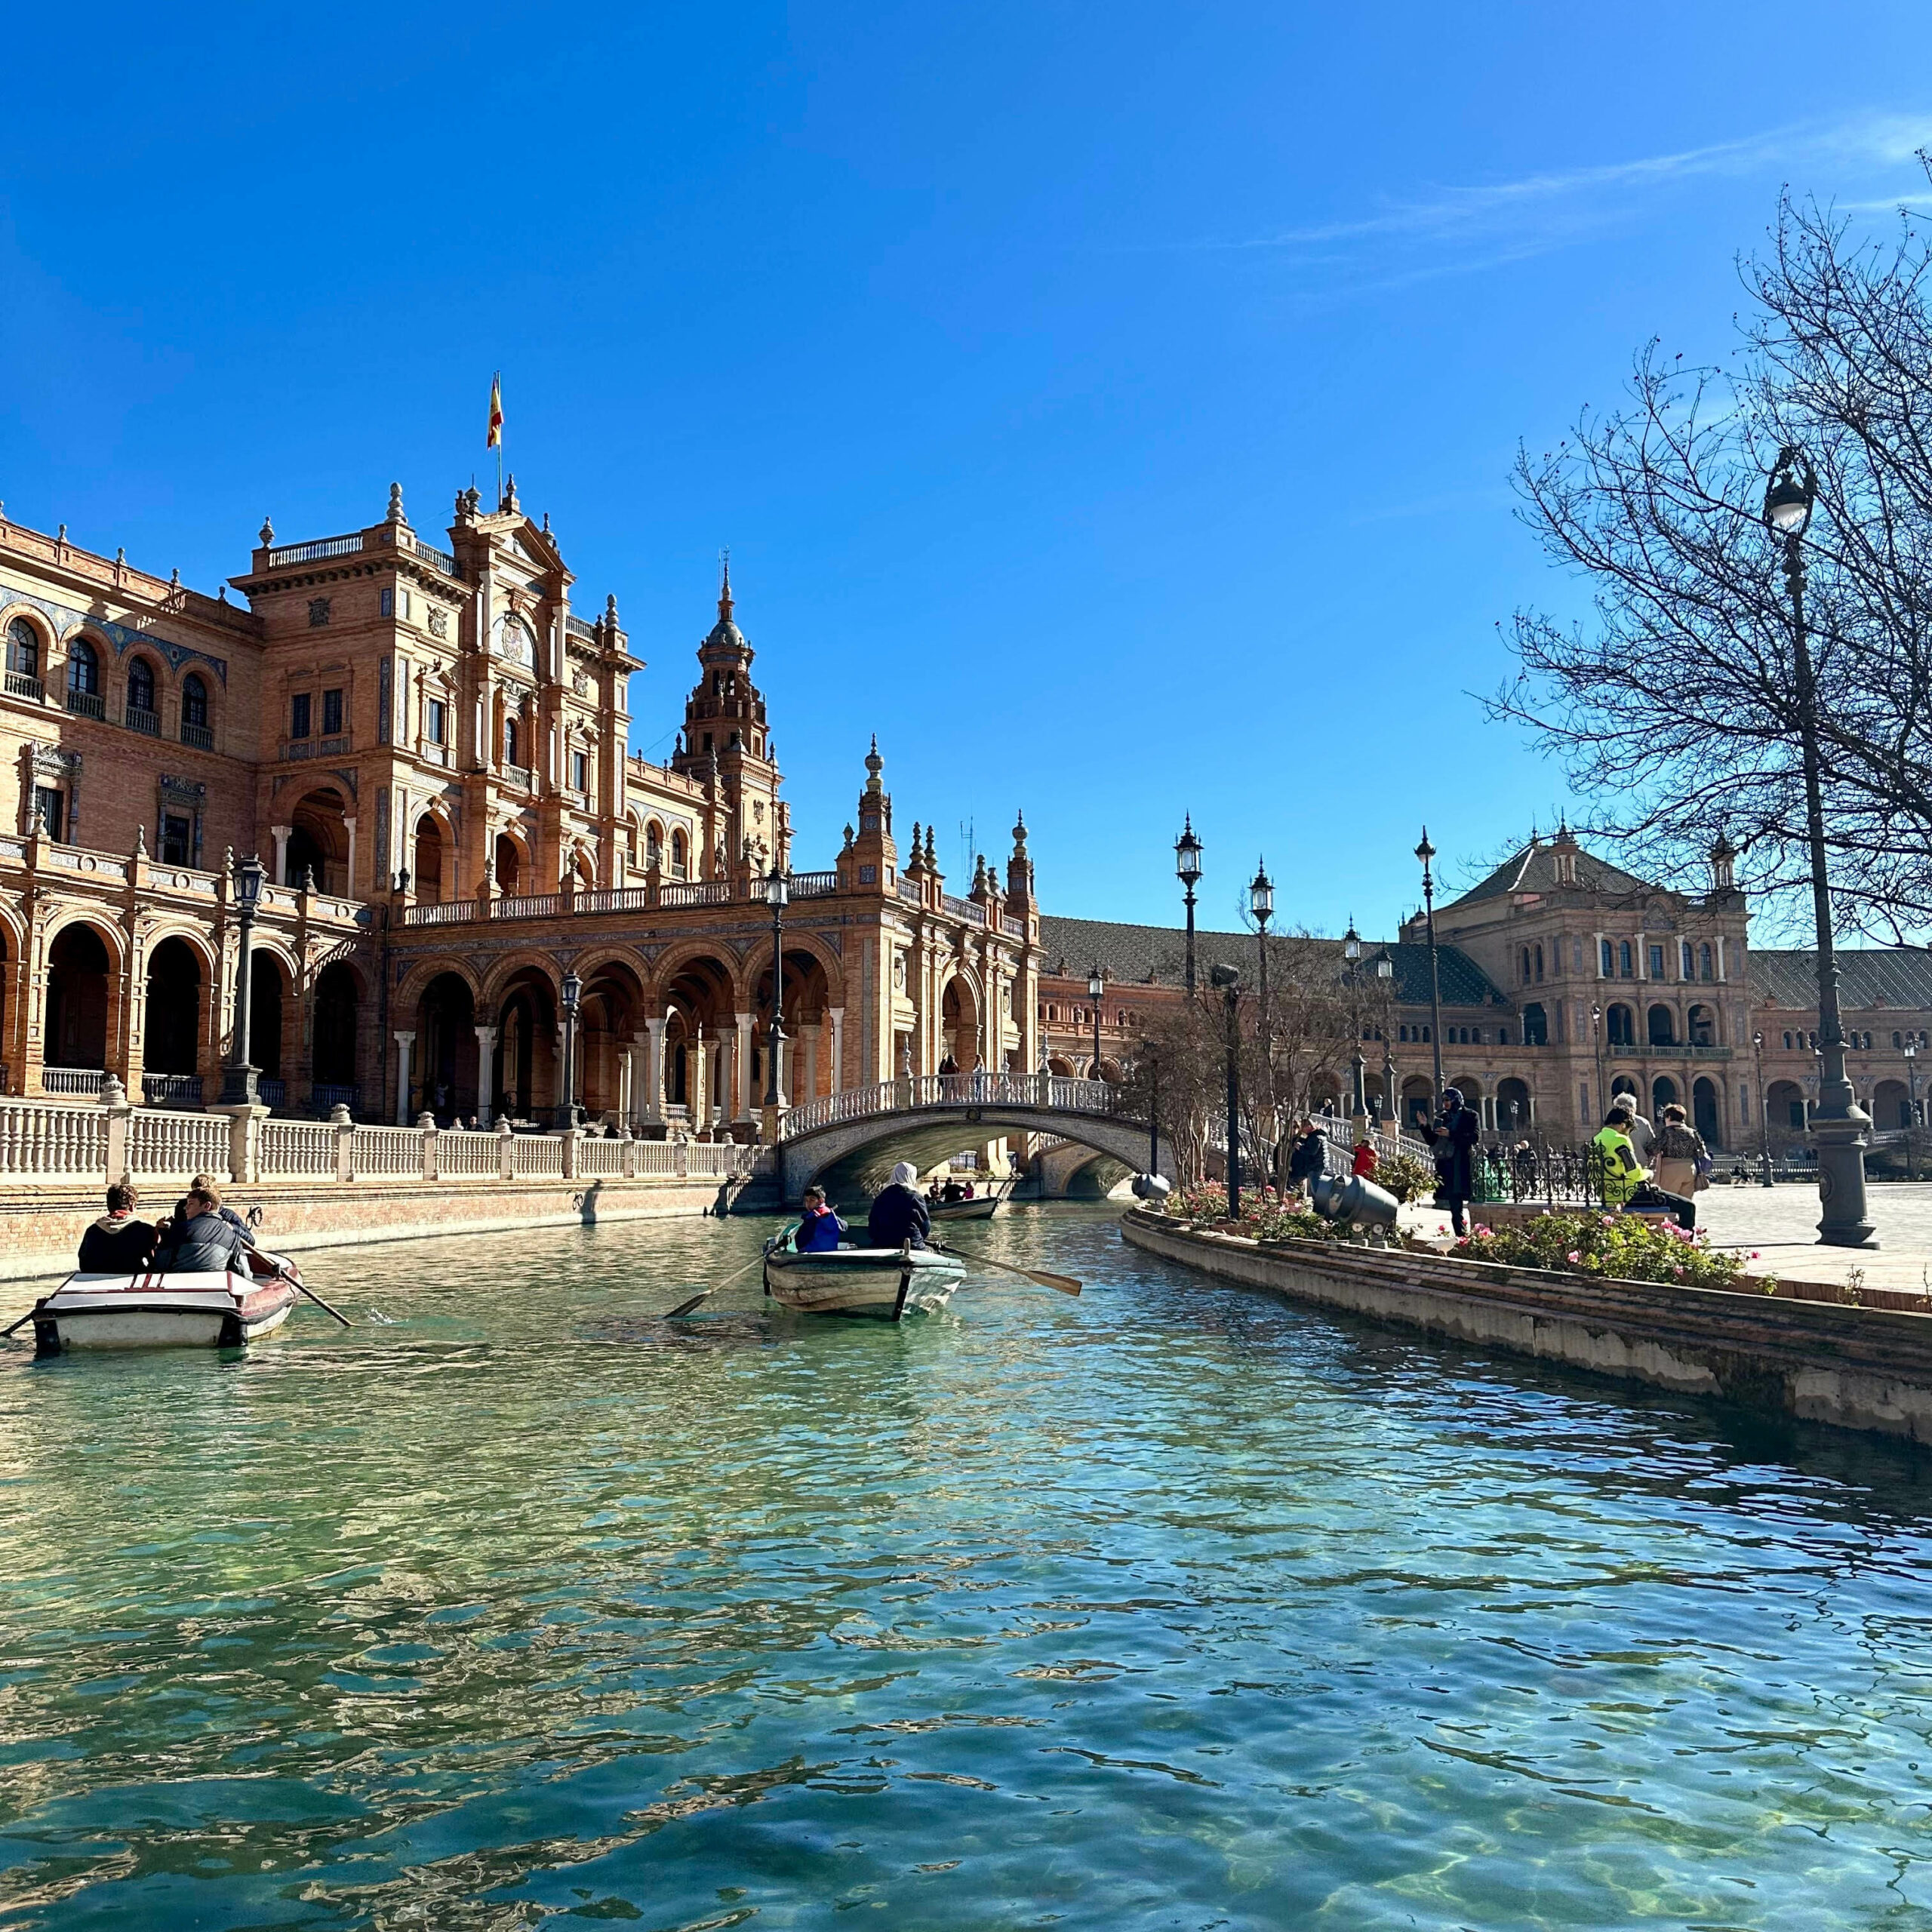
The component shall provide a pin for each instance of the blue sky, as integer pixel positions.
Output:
(1111, 407)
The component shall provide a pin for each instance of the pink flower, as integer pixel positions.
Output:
(1574, 1256)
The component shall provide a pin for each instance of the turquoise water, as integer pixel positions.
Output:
(1170, 1607)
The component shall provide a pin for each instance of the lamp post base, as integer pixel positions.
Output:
(238, 1087)
(1845, 1221)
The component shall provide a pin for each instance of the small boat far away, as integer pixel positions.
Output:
(885, 1283)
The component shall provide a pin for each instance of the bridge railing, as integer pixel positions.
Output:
(983, 1087)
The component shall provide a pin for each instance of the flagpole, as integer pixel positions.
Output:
(499, 447)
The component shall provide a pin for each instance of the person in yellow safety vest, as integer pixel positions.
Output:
(1622, 1172)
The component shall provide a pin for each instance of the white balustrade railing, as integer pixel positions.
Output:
(298, 1149)
(537, 1157)
(83, 1082)
(600, 1160)
(168, 1144)
(983, 1087)
(52, 1142)
(657, 1156)
(386, 1150)
(460, 1152)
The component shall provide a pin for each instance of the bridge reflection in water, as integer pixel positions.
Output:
(849, 1141)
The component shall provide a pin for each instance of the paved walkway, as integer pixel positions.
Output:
(1781, 1224)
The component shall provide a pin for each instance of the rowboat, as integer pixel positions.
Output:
(883, 1283)
(981, 1207)
(222, 1310)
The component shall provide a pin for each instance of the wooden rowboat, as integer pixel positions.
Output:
(981, 1207)
(207, 1311)
(885, 1284)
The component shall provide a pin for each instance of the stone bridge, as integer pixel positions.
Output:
(849, 1141)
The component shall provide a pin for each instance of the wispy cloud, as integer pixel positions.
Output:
(1503, 220)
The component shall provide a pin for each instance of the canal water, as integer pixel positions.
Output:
(1170, 1607)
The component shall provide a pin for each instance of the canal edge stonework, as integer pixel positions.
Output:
(1869, 1369)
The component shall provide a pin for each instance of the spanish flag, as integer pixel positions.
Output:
(496, 436)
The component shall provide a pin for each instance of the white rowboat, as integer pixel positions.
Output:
(981, 1207)
(883, 1283)
(207, 1311)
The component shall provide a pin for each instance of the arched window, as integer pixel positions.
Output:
(1623, 959)
(1622, 1025)
(194, 711)
(1702, 1024)
(1787, 1043)
(1704, 962)
(140, 689)
(511, 744)
(1897, 1040)
(1661, 1026)
(1609, 960)
(1538, 962)
(83, 670)
(654, 846)
(1526, 965)
(22, 649)
(680, 859)
(1536, 1025)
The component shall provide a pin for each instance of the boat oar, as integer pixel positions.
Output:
(21, 1324)
(1065, 1284)
(302, 1288)
(685, 1307)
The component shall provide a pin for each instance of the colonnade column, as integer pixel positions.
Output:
(807, 1062)
(279, 833)
(653, 1072)
(835, 1081)
(348, 878)
(697, 1084)
(404, 1041)
(486, 1073)
(741, 1067)
(626, 1080)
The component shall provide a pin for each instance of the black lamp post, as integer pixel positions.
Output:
(1392, 1117)
(1097, 987)
(1838, 1124)
(1187, 868)
(1228, 978)
(1352, 953)
(1153, 1113)
(1261, 903)
(238, 1082)
(573, 996)
(777, 890)
(1911, 1109)
(1763, 1115)
(1426, 852)
(1596, 1053)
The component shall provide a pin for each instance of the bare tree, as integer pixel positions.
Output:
(1677, 708)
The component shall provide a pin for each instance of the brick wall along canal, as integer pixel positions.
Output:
(1172, 1606)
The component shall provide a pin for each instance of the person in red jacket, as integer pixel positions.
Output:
(1364, 1162)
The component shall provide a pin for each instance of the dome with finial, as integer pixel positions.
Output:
(875, 765)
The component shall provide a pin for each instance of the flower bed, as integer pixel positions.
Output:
(1265, 1214)
(1628, 1247)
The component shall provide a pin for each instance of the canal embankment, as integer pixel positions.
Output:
(1856, 1361)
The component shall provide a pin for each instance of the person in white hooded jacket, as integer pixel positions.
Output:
(899, 1214)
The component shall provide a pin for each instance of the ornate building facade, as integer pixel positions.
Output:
(1563, 980)
(428, 747)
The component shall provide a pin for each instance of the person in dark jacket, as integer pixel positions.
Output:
(201, 1242)
(818, 1226)
(118, 1243)
(898, 1216)
(1452, 1137)
(1310, 1158)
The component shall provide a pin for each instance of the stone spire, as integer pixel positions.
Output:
(1019, 868)
(725, 710)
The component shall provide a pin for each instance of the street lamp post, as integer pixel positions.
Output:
(1187, 868)
(1352, 952)
(572, 993)
(1261, 903)
(237, 1081)
(1839, 1123)
(1153, 1113)
(1392, 1117)
(1426, 852)
(1097, 988)
(1763, 1112)
(1596, 1053)
(777, 890)
(1911, 1109)
(1228, 978)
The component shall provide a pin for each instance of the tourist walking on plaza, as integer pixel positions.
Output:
(1452, 1136)
(1684, 1162)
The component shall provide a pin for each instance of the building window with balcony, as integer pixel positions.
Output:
(1623, 956)
(1657, 962)
(50, 810)
(1609, 961)
(512, 746)
(331, 714)
(23, 660)
(141, 714)
(84, 680)
(1536, 1025)
(195, 713)
(1686, 960)
(436, 721)
(298, 714)
(581, 771)
(680, 861)
(1539, 963)
(1621, 1025)
(1704, 971)
(177, 839)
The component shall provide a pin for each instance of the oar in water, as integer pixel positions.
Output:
(21, 1324)
(280, 1275)
(685, 1307)
(1065, 1284)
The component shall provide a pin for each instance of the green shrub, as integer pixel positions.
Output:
(1633, 1247)
(1407, 1178)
